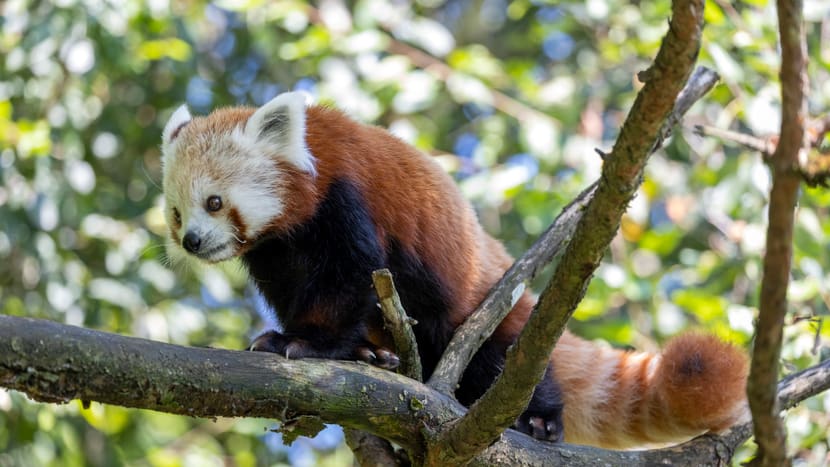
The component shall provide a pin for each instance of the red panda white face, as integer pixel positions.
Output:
(221, 175)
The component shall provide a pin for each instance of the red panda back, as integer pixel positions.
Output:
(412, 201)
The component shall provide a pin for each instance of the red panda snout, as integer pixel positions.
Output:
(191, 242)
(210, 239)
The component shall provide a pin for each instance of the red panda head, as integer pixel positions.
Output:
(222, 176)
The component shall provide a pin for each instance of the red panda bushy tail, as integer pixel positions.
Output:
(619, 399)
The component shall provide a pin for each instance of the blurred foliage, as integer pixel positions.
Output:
(85, 87)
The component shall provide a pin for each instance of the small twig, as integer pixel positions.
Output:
(814, 169)
(698, 85)
(766, 146)
(398, 324)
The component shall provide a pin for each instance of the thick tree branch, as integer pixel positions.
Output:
(622, 173)
(761, 386)
(52, 362)
(58, 363)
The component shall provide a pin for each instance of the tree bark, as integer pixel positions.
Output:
(57, 363)
(622, 174)
(761, 391)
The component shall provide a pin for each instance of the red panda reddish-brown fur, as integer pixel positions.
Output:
(619, 399)
(467, 259)
(611, 398)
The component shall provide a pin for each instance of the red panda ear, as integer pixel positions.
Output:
(280, 124)
(178, 120)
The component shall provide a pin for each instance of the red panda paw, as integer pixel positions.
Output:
(296, 347)
(379, 357)
(290, 347)
(541, 428)
(275, 342)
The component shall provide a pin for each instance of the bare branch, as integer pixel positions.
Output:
(761, 386)
(492, 310)
(698, 85)
(478, 327)
(527, 359)
(814, 169)
(766, 146)
(398, 324)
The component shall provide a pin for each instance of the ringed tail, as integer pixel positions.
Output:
(620, 399)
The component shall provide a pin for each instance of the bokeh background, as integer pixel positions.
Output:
(511, 96)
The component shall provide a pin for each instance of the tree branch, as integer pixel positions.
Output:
(698, 85)
(481, 324)
(814, 169)
(766, 146)
(492, 310)
(398, 324)
(370, 450)
(761, 385)
(52, 362)
(622, 173)
(57, 363)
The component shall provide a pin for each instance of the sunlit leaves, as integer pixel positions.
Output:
(85, 87)
(173, 48)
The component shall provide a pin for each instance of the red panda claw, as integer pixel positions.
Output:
(386, 359)
(380, 357)
(265, 342)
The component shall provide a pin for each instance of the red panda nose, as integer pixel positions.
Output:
(191, 242)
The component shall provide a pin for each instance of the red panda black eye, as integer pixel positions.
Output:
(177, 217)
(214, 203)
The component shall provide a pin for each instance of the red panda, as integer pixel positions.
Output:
(312, 202)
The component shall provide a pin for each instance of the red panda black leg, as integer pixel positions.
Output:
(543, 417)
(317, 278)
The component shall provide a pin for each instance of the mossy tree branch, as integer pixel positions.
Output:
(52, 362)
(492, 310)
(622, 173)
